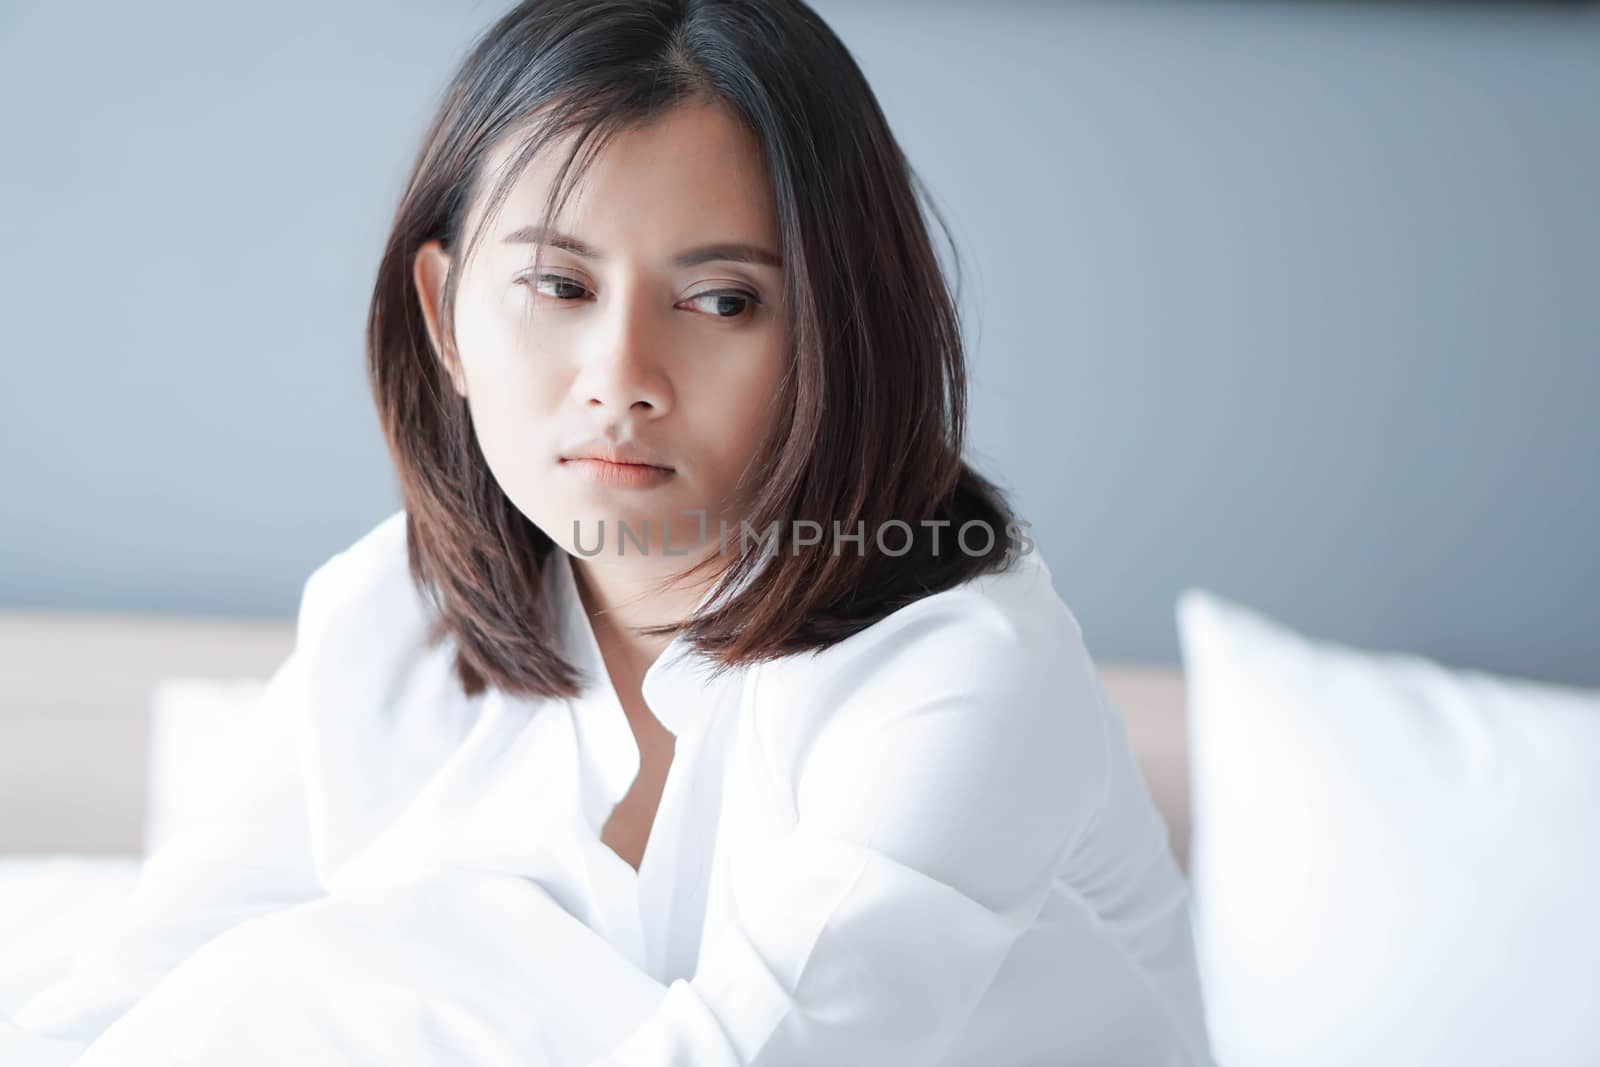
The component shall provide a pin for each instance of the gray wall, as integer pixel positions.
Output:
(1290, 300)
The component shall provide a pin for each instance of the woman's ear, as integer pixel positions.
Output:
(429, 270)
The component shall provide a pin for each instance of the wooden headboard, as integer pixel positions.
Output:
(75, 695)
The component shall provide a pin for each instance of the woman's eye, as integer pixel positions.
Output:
(558, 286)
(720, 303)
(726, 303)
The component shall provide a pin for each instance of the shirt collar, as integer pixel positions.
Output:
(677, 686)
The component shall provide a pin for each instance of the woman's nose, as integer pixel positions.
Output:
(623, 368)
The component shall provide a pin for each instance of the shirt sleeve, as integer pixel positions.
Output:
(934, 811)
(247, 856)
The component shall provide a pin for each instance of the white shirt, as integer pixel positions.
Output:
(926, 845)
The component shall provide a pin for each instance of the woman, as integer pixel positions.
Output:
(701, 706)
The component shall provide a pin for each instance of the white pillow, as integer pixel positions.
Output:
(1393, 862)
(192, 723)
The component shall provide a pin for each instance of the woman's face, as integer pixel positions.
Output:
(655, 322)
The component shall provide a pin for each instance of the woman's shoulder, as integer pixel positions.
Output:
(998, 661)
(360, 609)
(372, 556)
(1003, 627)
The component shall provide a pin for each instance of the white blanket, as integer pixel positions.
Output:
(451, 970)
(51, 906)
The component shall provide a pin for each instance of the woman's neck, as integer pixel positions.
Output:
(620, 596)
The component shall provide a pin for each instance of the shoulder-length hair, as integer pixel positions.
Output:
(871, 420)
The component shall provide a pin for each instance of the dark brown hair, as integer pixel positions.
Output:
(871, 419)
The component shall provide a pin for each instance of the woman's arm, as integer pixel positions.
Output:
(247, 856)
(935, 808)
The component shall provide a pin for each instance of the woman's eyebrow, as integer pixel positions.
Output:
(726, 251)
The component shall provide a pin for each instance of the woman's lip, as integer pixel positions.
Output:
(613, 462)
(623, 475)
